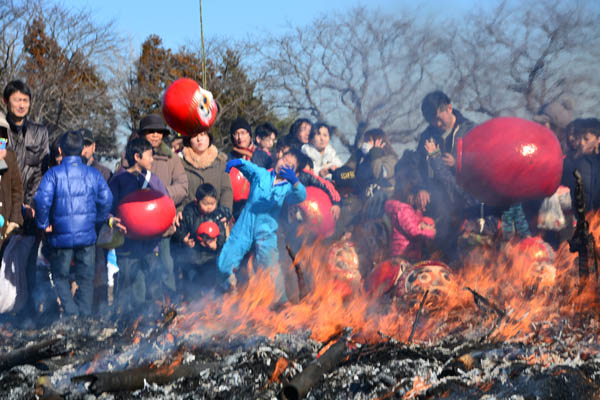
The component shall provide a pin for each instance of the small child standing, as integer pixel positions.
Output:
(201, 235)
(71, 199)
(266, 134)
(138, 259)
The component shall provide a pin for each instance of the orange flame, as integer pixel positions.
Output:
(529, 288)
(280, 367)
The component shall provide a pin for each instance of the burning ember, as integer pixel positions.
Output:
(515, 320)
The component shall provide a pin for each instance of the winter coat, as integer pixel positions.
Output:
(328, 158)
(376, 167)
(191, 219)
(30, 144)
(169, 169)
(466, 206)
(73, 198)
(257, 224)
(208, 168)
(11, 192)
(405, 229)
(447, 145)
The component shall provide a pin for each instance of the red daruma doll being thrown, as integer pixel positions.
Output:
(188, 108)
(508, 160)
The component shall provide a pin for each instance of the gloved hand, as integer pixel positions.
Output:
(236, 162)
(288, 174)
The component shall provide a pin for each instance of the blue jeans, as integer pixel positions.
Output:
(60, 265)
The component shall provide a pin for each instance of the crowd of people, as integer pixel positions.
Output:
(60, 205)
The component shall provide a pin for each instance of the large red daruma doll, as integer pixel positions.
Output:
(507, 160)
(239, 185)
(316, 212)
(188, 108)
(146, 213)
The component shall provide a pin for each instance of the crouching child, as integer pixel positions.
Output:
(71, 199)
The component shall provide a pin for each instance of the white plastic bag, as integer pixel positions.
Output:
(13, 275)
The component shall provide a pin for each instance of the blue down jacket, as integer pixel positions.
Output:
(73, 198)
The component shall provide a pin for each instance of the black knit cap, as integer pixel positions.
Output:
(240, 123)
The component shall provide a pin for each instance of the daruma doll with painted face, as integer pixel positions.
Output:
(508, 160)
(146, 213)
(188, 108)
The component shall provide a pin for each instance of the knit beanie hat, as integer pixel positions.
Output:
(558, 113)
(240, 123)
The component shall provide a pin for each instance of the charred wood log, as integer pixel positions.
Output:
(414, 325)
(302, 288)
(133, 379)
(486, 305)
(583, 242)
(313, 373)
(32, 354)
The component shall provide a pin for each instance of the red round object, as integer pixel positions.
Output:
(188, 108)
(316, 212)
(536, 249)
(386, 275)
(507, 160)
(239, 184)
(208, 228)
(146, 213)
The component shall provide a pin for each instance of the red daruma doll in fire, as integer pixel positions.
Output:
(138, 257)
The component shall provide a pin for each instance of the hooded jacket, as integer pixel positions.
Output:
(73, 198)
(405, 229)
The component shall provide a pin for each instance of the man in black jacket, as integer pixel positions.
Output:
(27, 139)
(446, 126)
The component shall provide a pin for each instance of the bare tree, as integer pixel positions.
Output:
(512, 58)
(12, 21)
(356, 70)
(65, 58)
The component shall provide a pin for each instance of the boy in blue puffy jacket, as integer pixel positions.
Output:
(257, 224)
(71, 199)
